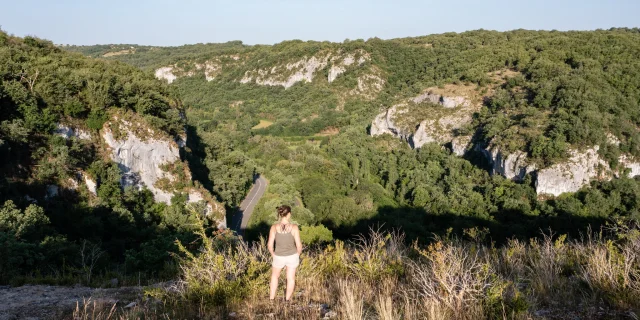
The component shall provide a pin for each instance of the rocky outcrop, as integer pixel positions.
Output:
(68, 132)
(385, 123)
(460, 145)
(629, 163)
(210, 69)
(445, 101)
(304, 69)
(301, 70)
(171, 73)
(340, 67)
(141, 160)
(144, 156)
(166, 73)
(512, 166)
(334, 72)
(570, 176)
(440, 128)
(92, 186)
(424, 134)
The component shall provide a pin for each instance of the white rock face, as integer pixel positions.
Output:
(440, 129)
(72, 183)
(631, 164)
(423, 134)
(91, 185)
(579, 170)
(611, 139)
(140, 160)
(460, 145)
(512, 166)
(287, 75)
(209, 69)
(166, 73)
(68, 132)
(385, 123)
(334, 72)
(341, 66)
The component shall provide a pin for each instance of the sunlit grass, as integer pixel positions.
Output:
(263, 124)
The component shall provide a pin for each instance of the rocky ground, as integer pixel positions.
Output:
(54, 302)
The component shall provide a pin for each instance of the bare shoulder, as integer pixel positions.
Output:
(295, 227)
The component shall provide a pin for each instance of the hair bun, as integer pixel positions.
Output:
(283, 210)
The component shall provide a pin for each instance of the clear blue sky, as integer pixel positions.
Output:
(177, 22)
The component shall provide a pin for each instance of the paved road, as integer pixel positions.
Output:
(241, 218)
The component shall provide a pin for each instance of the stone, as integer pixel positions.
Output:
(423, 134)
(140, 161)
(460, 145)
(166, 73)
(628, 162)
(385, 123)
(512, 166)
(92, 186)
(570, 176)
(131, 305)
(334, 72)
(69, 132)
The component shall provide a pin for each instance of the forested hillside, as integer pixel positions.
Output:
(300, 113)
(67, 212)
(475, 175)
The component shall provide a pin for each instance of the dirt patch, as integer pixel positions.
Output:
(236, 103)
(263, 124)
(53, 302)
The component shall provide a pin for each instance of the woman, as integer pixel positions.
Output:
(287, 251)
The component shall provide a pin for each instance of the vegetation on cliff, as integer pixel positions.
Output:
(53, 225)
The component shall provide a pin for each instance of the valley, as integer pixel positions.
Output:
(502, 163)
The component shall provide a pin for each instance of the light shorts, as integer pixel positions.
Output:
(286, 261)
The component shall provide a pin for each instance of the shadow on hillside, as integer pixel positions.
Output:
(195, 156)
(420, 225)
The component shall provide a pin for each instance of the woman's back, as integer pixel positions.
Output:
(285, 242)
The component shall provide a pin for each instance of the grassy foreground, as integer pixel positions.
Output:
(377, 276)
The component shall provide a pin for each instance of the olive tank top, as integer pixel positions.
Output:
(285, 244)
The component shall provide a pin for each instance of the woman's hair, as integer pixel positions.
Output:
(283, 211)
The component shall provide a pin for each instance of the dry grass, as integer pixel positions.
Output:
(377, 277)
(263, 124)
(119, 53)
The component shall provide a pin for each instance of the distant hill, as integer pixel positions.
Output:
(555, 113)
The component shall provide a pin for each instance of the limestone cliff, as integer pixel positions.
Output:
(582, 167)
(145, 158)
(512, 165)
(145, 155)
(286, 75)
(444, 115)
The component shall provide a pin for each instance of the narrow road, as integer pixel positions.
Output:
(241, 218)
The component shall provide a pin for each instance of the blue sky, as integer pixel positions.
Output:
(177, 22)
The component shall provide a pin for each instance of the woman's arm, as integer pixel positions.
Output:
(272, 239)
(296, 237)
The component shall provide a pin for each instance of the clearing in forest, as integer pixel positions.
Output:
(263, 124)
